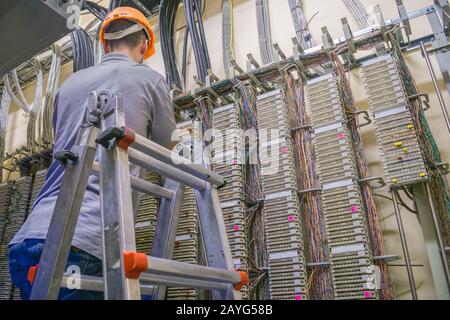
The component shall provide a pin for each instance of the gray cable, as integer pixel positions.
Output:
(300, 24)
(227, 35)
(358, 11)
(265, 40)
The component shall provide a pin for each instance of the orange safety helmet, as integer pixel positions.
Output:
(131, 14)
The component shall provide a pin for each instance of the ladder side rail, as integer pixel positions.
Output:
(118, 234)
(64, 219)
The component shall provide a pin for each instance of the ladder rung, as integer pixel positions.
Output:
(164, 267)
(142, 185)
(147, 283)
(158, 152)
(164, 169)
(92, 283)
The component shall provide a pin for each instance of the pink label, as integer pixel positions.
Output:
(367, 294)
(354, 209)
(236, 227)
(291, 218)
(341, 135)
(298, 297)
(234, 161)
(284, 150)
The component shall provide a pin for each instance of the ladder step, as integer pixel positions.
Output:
(164, 267)
(147, 283)
(158, 152)
(91, 283)
(145, 161)
(142, 185)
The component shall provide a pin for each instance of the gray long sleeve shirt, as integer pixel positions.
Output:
(148, 111)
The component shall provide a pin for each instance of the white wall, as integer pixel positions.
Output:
(329, 13)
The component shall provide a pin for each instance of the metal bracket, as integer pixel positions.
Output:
(105, 137)
(280, 54)
(210, 78)
(381, 49)
(349, 39)
(297, 52)
(66, 155)
(328, 46)
(443, 7)
(425, 100)
(366, 117)
(198, 82)
(327, 40)
(380, 180)
(252, 62)
(404, 16)
(173, 93)
(443, 165)
(236, 67)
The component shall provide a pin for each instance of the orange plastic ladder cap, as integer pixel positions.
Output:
(32, 273)
(135, 263)
(244, 280)
(127, 139)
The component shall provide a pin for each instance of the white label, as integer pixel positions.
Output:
(143, 224)
(328, 128)
(229, 204)
(277, 195)
(325, 77)
(268, 94)
(283, 255)
(389, 112)
(337, 184)
(183, 237)
(224, 108)
(386, 57)
(347, 248)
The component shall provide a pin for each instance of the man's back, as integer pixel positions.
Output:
(148, 111)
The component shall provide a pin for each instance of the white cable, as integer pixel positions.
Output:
(4, 115)
(32, 139)
(52, 83)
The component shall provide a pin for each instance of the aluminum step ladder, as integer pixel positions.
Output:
(126, 273)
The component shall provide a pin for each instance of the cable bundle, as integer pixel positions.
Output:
(194, 26)
(358, 11)
(4, 113)
(83, 51)
(254, 219)
(52, 83)
(265, 40)
(98, 11)
(301, 26)
(227, 37)
(31, 109)
(167, 14)
(320, 279)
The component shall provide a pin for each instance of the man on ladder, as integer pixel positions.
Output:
(127, 39)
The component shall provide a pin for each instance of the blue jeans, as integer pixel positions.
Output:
(26, 254)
